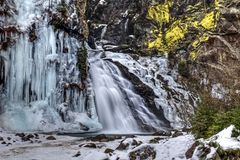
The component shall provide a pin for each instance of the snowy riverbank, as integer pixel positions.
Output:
(47, 147)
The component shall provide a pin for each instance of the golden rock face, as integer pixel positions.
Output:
(172, 29)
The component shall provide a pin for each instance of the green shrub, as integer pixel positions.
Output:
(208, 122)
(211, 117)
(202, 120)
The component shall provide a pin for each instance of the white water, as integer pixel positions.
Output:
(175, 100)
(119, 108)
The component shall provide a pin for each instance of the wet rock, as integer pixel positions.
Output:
(91, 145)
(9, 138)
(122, 146)
(156, 140)
(136, 143)
(188, 130)
(1, 139)
(191, 150)
(30, 136)
(130, 136)
(24, 139)
(20, 135)
(104, 138)
(77, 154)
(51, 138)
(100, 138)
(9, 144)
(143, 154)
(4, 142)
(36, 135)
(162, 133)
(108, 150)
(177, 134)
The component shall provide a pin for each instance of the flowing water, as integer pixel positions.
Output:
(118, 106)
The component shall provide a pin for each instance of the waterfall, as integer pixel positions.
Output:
(120, 109)
(38, 75)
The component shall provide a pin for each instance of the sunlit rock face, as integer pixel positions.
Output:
(164, 26)
(218, 59)
(179, 24)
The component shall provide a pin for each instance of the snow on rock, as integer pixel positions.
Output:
(174, 148)
(218, 91)
(37, 146)
(225, 139)
(220, 145)
(176, 101)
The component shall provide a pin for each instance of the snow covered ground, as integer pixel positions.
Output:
(224, 145)
(44, 147)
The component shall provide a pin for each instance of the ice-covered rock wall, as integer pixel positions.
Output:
(38, 91)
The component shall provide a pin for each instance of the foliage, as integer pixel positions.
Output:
(202, 120)
(211, 117)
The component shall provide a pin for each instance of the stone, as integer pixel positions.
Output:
(143, 154)
(177, 134)
(136, 143)
(108, 150)
(77, 154)
(4, 142)
(122, 146)
(90, 145)
(162, 133)
(191, 150)
(156, 140)
(51, 138)
(104, 138)
(20, 135)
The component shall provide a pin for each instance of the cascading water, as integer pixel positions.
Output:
(119, 108)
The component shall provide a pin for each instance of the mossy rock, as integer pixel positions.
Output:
(228, 154)
(183, 69)
(145, 153)
(82, 62)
